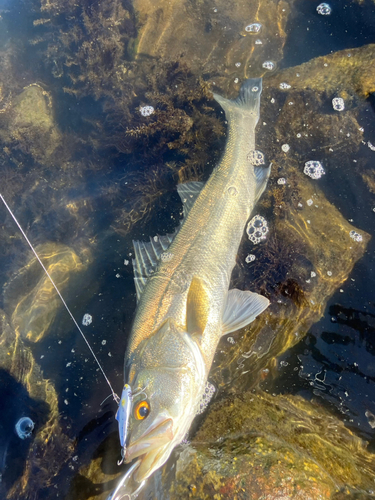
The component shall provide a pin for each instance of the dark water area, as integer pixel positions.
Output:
(101, 191)
(312, 35)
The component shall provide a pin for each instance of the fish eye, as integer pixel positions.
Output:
(141, 410)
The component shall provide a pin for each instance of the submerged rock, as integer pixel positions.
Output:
(39, 458)
(218, 39)
(255, 446)
(29, 124)
(33, 307)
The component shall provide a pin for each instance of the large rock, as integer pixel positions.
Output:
(33, 307)
(29, 125)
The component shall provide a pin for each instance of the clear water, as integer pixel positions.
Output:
(86, 184)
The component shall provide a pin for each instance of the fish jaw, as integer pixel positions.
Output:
(158, 436)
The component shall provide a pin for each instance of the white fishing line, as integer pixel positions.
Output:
(114, 395)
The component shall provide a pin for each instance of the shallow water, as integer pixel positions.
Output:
(86, 173)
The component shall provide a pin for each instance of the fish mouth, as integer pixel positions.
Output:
(149, 448)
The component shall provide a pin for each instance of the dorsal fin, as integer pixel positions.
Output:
(147, 256)
(189, 192)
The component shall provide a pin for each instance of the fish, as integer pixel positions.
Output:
(184, 301)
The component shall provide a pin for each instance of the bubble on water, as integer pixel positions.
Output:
(312, 274)
(257, 229)
(314, 169)
(250, 258)
(231, 340)
(236, 80)
(371, 146)
(232, 191)
(329, 273)
(253, 28)
(24, 427)
(166, 256)
(146, 110)
(238, 64)
(324, 9)
(256, 157)
(281, 180)
(126, 262)
(104, 342)
(209, 391)
(284, 86)
(270, 65)
(258, 42)
(338, 104)
(285, 148)
(87, 320)
(355, 236)
(309, 202)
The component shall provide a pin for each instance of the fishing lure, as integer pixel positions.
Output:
(122, 416)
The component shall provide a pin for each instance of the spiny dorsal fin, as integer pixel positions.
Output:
(197, 307)
(189, 192)
(147, 256)
(242, 308)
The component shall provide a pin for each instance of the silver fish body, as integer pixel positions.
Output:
(185, 304)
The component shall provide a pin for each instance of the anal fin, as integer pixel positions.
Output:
(242, 308)
(261, 175)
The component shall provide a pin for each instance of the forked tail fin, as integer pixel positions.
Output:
(246, 104)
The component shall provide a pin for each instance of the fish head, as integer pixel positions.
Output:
(166, 384)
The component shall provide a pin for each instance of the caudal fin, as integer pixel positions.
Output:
(247, 102)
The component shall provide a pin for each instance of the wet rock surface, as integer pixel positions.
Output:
(29, 124)
(29, 465)
(38, 302)
(256, 446)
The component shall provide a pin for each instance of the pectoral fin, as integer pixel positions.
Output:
(197, 307)
(241, 309)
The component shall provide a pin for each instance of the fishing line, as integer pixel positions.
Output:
(114, 395)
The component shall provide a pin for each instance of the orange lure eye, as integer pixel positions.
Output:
(141, 410)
